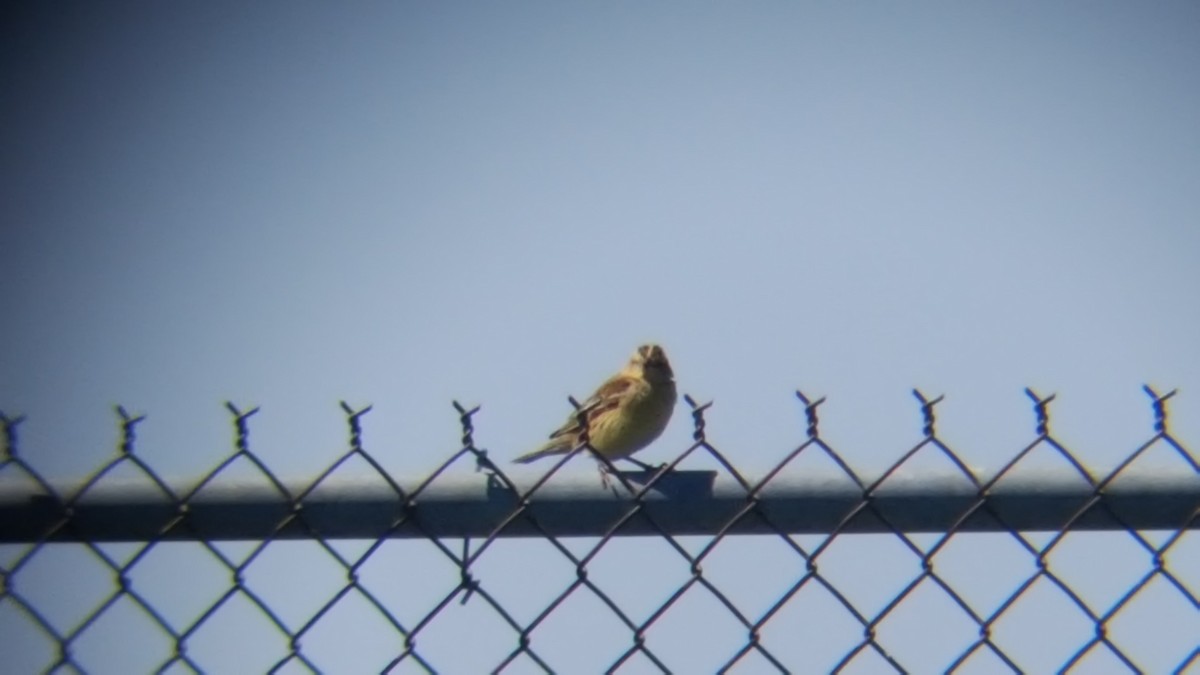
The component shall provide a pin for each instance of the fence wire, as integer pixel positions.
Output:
(622, 629)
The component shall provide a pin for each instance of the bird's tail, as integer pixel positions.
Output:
(554, 447)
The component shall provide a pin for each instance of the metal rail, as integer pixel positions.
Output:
(679, 503)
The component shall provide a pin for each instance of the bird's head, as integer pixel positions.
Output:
(651, 362)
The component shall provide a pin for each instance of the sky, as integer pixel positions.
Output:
(406, 204)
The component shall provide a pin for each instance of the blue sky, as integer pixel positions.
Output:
(406, 204)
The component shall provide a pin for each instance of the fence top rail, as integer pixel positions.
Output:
(678, 503)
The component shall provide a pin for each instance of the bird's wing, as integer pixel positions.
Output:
(607, 397)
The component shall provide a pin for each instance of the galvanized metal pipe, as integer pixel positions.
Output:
(681, 503)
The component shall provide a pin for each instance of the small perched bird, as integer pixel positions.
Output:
(625, 414)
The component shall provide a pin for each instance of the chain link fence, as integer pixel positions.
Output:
(671, 569)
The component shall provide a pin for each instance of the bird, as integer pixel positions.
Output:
(624, 415)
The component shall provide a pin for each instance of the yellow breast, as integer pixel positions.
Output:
(639, 420)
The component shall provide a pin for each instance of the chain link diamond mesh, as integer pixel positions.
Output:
(526, 598)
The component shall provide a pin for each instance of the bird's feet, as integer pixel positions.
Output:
(605, 475)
